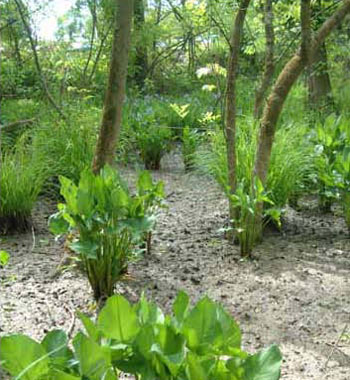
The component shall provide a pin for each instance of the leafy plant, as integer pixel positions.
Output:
(4, 258)
(329, 141)
(247, 205)
(199, 343)
(110, 222)
(342, 182)
(153, 142)
(190, 143)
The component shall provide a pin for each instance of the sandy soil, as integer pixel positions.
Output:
(296, 294)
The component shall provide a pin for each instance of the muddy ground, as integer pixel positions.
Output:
(296, 294)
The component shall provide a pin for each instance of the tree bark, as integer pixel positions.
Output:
(230, 98)
(284, 83)
(112, 110)
(269, 58)
(36, 60)
(141, 58)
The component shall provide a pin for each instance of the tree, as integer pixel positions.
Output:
(230, 98)
(113, 104)
(269, 58)
(284, 83)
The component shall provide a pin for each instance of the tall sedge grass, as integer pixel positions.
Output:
(291, 161)
(19, 189)
(61, 149)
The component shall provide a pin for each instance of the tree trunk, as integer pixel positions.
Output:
(269, 59)
(112, 110)
(230, 98)
(141, 59)
(92, 7)
(279, 93)
(320, 89)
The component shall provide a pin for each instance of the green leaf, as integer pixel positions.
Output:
(55, 343)
(57, 224)
(118, 320)
(144, 182)
(194, 370)
(265, 365)
(4, 257)
(208, 327)
(180, 307)
(23, 357)
(149, 312)
(90, 327)
(94, 360)
(86, 248)
(170, 348)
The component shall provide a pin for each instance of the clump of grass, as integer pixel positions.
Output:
(19, 189)
(64, 149)
(290, 167)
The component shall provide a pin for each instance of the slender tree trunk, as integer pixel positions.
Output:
(320, 89)
(112, 110)
(269, 59)
(141, 59)
(99, 52)
(284, 83)
(36, 60)
(230, 98)
(92, 7)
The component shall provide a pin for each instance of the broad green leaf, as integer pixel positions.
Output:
(149, 312)
(23, 356)
(144, 182)
(52, 342)
(57, 224)
(94, 360)
(118, 320)
(194, 370)
(69, 193)
(86, 248)
(180, 306)
(85, 203)
(208, 327)
(170, 346)
(90, 327)
(265, 365)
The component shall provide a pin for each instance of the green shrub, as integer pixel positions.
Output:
(109, 222)
(19, 189)
(201, 343)
(153, 142)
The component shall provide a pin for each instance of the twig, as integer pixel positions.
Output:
(19, 123)
(335, 346)
(72, 324)
(33, 235)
